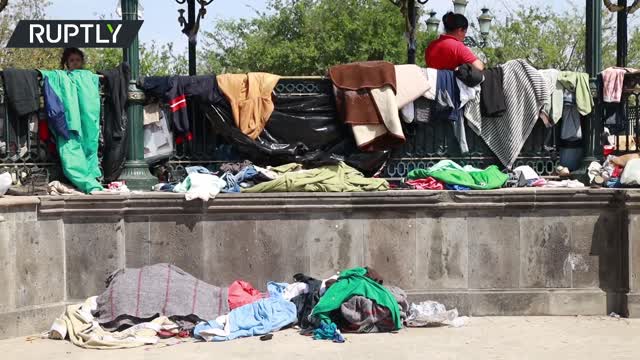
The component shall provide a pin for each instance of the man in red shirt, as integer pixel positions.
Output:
(448, 52)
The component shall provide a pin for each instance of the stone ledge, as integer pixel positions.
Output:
(29, 320)
(168, 203)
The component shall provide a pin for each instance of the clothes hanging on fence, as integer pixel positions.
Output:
(525, 92)
(78, 91)
(469, 75)
(613, 81)
(493, 103)
(554, 107)
(116, 143)
(365, 99)
(578, 83)
(175, 90)
(54, 109)
(448, 105)
(250, 98)
(22, 90)
(411, 84)
(571, 128)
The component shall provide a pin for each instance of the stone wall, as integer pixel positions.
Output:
(506, 252)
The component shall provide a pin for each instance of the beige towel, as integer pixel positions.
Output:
(388, 134)
(151, 114)
(411, 83)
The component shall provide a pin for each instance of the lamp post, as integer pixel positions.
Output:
(433, 23)
(484, 23)
(136, 171)
(460, 6)
(191, 25)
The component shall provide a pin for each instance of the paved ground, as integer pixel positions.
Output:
(483, 338)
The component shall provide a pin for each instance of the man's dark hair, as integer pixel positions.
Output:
(68, 52)
(453, 22)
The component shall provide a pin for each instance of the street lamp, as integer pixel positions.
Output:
(433, 23)
(484, 20)
(191, 25)
(459, 6)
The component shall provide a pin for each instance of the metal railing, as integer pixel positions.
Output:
(23, 153)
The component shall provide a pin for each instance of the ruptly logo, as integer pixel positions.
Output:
(74, 33)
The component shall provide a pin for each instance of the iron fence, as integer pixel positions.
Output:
(24, 154)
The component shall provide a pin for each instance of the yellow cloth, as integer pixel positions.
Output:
(250, 98)
(83, 330)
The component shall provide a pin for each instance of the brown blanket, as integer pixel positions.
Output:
(375, 127)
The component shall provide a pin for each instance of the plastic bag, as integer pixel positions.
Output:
(429, 313)
(302, 129)
(5, 183)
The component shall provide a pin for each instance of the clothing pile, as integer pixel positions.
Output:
(616, 171)
(447, 174)
(146, 305)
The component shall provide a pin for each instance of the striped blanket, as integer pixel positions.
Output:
(134, 295)
(525, 92)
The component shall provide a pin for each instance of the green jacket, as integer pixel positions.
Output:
(353, 282)
(79, 92)
(487, 179)
(333, 178)
(578, 82)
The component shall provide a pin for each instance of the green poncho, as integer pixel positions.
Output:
(353, 282)
(453, 174)
(79, 92)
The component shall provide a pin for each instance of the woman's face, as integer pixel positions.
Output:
(74, 62)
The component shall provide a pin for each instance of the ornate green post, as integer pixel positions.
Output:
(136, 172)
(593, 65)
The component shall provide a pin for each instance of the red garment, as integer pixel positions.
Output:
(617, 171)
(447, 53)
(427, 184)
(242, 293)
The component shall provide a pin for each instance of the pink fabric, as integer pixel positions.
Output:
(242, 293)
(613, 79)
(426, 184)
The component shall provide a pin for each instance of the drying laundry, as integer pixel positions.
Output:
(492, 97)
(554, 106)
(242, 293)
(250, 98)
(200, 186)
(613, 80)
(366, 100)
(22, 90)
(428, 183)
(453, 174)
(175, 90)
(411, 84)
(78, 91)
(116, 144)
(525, 92)
(362, 315)
(332, 178)
(578, 83)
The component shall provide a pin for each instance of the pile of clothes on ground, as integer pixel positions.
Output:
(144, 306)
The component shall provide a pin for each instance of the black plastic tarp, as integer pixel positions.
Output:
(303, 129)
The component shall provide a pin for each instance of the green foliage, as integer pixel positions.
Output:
(161, 60)
(305, 37)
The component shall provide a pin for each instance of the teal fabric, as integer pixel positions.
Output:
(354, 282)
(79, 92)
(453, 174)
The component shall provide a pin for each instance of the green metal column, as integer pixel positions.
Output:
(136, 172)
(411, 13)
(593, 65)
(191, 18)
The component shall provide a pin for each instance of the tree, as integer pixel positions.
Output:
(306, 37)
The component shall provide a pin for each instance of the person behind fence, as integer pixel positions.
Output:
(72, 59)
(448, 52)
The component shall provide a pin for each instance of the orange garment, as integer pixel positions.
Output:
(250, 98)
